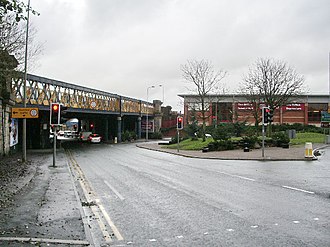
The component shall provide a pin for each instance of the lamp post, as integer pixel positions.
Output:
(163, 87)
(24, 85)
(147, 123)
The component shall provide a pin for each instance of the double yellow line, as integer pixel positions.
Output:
(96, 206)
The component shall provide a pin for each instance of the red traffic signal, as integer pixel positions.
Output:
(55, 113)
(179, 123)
(55, 107)
(266, 115)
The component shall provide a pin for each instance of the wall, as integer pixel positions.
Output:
(5, 110)
(243, 111)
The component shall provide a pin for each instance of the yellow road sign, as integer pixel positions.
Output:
(25, 112)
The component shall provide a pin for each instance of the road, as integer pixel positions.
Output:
(148, 198)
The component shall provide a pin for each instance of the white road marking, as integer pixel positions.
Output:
(230, 230)
(114, 191)
(91, 195)
(237, 176)
(111, 224)
(316, 219)
(296, 189)
(97, 215)
(179, 236)
(296, 221)
(254, 226)
(152, 240)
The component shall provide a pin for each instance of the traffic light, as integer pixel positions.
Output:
(270, 116)
(55, 113)
(62, 113)
(179, 123)
(265, 115)
(63, 110)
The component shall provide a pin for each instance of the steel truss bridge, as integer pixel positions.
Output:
(42, 92)
(112, 113)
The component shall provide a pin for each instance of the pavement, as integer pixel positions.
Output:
(40, 206)
(39, 203)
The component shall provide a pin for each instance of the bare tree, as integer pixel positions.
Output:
(254, 97)
(272, 82)
(12, 40)
(205, 81)
(15, 7)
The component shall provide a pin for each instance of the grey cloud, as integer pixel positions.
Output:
(123, 45)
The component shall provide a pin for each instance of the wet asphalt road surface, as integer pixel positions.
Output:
(149, 198)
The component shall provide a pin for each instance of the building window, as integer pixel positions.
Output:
(314, 111)
(223, 111)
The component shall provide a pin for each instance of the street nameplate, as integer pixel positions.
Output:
(27, 112)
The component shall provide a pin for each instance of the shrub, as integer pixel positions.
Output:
(128, 136)
(156, 135)
(280, 138)
(221, 145)
(125, 136)
(220, 134)
(195, 138)
(132, 135)
(250, 140)
(239, 128)
(174, 139)
(191, 129)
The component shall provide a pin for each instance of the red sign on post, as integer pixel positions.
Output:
(150, 126)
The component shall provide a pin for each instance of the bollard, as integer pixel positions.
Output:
(308, 150)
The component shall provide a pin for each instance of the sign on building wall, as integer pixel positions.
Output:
(244, 106)
(294, 107)
(13, 134)
(325, 117)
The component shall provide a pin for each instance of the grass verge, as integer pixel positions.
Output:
(301, 139)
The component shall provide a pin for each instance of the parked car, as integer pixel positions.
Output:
(84, 135)
(94, 138)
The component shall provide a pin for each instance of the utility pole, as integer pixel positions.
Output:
(25, 78)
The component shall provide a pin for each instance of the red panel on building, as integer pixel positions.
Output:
(294, 107)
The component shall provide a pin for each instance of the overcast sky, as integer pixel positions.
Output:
(125, 46)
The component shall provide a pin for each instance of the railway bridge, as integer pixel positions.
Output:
(101, 112)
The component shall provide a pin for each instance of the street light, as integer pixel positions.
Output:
(163, 87)
(147, 124)
(24, 85)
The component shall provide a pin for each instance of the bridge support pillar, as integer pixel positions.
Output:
(119, 129)
(106, 130)
(139, 127)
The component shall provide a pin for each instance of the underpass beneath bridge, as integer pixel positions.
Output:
(91, 110)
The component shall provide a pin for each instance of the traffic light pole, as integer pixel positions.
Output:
(263, 139)
(54, 150)
(178, 144)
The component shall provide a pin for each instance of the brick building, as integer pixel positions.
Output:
(304, 109)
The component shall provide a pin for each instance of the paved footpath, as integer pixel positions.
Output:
(44, 209)
(270, 153)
